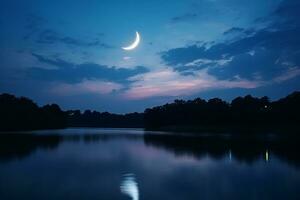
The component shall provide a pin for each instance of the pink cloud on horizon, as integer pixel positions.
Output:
(168, 82)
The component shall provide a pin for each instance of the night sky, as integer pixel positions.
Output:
(69, 52)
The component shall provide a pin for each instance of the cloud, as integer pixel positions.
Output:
(167, 82)
(256, 57)
(251, 53)
(287, 13)
(233, 30)
(185, 17)
(85, 87)
(73, 73)
(33, 25)
(256, 50)
(289, 74)
(126, 58)
(203, 63)
(36, 29)
(51, 37)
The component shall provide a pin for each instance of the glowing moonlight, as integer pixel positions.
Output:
(134, 44)
(129, 187)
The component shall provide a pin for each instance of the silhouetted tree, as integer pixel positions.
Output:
(96, 119)
(23, 114)
(248, 113)
(243, 112)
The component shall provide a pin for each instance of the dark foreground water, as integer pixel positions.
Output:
(127, 164)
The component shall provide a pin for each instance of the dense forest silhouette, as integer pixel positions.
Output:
(105, 119)
(246, 113)
(243, 113)
(23, 114)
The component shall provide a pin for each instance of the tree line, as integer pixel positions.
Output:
(89, 118)
(241, 113)
(21, 113)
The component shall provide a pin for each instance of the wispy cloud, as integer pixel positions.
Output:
(289, 74)
(250, 51)
(38, 31)
(74, 73)
(34, 25)
(233, 30)
(49, 36)
(168, 82)
(184, 17)
(85, 87)
(204, 62)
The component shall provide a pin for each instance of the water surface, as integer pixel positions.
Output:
(129, 164)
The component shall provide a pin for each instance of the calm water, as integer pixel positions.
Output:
(127, 164)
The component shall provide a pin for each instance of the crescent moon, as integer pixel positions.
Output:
(134, 44)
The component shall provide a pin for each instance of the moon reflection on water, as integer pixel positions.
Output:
(129, 186)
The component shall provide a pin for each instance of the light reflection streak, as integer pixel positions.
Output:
(129, 186)
(267, 156)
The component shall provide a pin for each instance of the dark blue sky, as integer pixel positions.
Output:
(69, 52)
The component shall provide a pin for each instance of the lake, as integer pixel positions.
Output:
(133, 164)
